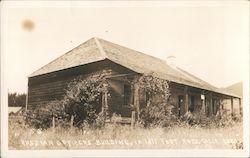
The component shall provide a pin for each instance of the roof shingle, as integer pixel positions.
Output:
(97, 49)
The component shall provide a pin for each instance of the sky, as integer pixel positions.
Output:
(208, 39)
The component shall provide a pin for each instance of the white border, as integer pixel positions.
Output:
(116, 153)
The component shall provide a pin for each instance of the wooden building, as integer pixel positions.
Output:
(121, 64)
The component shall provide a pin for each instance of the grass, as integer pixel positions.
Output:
(124, 137)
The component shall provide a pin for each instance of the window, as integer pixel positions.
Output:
(127, 93)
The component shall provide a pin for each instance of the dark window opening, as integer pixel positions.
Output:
(191, 107)
(127, 93)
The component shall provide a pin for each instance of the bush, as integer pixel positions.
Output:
(82, 100)
(115, 118)
(158, 110)
(99, 121)
(224, 120)
(220, 120)
(84, 97)
(190, 119)
(156, 115)
(41, 116)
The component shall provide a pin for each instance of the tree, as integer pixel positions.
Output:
(15, 99)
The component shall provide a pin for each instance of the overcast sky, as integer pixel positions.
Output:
(209, 40)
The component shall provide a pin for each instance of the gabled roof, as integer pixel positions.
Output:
(236, 88)
(97, 49)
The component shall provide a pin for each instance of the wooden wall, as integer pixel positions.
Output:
(52, 86)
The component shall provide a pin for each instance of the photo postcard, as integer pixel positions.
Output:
(125, 78)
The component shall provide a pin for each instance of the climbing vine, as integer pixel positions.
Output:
(83, 98)
(157, 111)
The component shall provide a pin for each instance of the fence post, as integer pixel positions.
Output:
(132, 119)
(71, 121)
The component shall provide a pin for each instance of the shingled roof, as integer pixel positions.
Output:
(97, 49)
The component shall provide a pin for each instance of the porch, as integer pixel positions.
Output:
(210, 103)
(126, 99)
(121, 97)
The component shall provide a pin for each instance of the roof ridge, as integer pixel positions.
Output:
(103, 53)
(137, 51)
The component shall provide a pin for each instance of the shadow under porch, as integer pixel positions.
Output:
(190, 99)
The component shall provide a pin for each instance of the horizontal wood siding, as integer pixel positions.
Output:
(52, 86)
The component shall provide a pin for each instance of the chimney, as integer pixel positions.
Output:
(171, 61)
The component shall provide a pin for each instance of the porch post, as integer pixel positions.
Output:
(136, 99)
(222, 106)
(203, 107)
(219, 107)
(232, 106)
(210, 104)
(240, 107)
(132, 95)
(186, 99)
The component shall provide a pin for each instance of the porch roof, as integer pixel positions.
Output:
(97, 49)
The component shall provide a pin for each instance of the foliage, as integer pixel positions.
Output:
(84, 97)
(221, 119)
(153, 86)
(115, 118)
(158, 110)
(99, 121)
(156, 115)
(41, 116)
(15, 99)
(82, 100)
